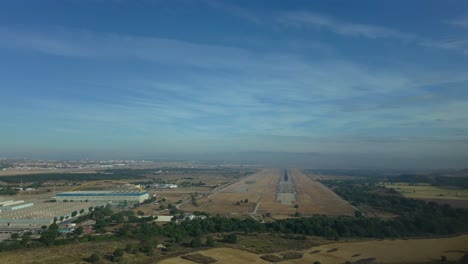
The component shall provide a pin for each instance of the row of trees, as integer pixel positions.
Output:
(415, 218)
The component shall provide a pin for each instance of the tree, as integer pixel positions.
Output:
(161, 207)
(54, 227)
(231, 238)
(140, 213)
(48, 237)
(296, 206)
(100, 225)
(93, 258)
(196, 243)
(147, 248)
(25, 239)
(358, 213)
(210, 241)
(78, 231)
(128, 248)
(118, 252)
(14, 236)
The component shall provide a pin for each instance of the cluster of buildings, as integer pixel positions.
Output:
(20, 214)
(163, 186)
(13, 205)
(36, 215)
(103, 196)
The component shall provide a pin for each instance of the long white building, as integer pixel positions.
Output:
(103, 196)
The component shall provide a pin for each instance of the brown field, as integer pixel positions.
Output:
(384, 251)
(223, 255)
(254, 188)
(261, 191)
(74, 253)
(426, 191)
(38, 171)
(457, 198)
(315, 198)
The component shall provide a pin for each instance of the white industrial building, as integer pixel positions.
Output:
(103, 196)
(13, 205)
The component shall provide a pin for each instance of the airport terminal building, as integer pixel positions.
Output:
(103, 196)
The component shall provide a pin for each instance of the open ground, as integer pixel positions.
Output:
(457, 198)
(428, 191)
(380, 251)
(266, 194)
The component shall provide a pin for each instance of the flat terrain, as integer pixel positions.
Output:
(74, 253)
(383, 251)
(44, 171)
(268, 193)
(429, 191)
(315, 198)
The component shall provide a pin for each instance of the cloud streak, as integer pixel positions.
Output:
(317, 21)
(460, 21)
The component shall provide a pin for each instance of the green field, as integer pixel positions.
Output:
(422, 190)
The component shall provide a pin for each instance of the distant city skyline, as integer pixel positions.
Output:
(344, 83)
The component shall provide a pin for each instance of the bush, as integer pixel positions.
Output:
(199, 258)
(231, 238)
(271, 258)
(292, 255)
(196, 242)
(93, 258)
(118, 252)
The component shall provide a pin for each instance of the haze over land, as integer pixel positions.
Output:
(271, 82)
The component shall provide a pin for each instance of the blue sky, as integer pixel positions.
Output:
(131, 78)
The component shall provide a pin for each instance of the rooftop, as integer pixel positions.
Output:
(102, 193)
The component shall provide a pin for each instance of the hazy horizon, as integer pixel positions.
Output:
(312, 84)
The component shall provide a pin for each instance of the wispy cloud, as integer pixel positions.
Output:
(236, 92)
(310, 20)
(322, 22)
(81, 43)
(235, 11)
(460, 21)
(454, 44)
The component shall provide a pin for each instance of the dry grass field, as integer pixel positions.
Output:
(44, 171)
(457, 198)
(314, 198)
(261, 191)
(255, 188)
(383, 251)
(223, 255)
(74, 253)
(428, 191)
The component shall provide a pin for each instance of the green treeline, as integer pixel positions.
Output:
(8, 191)
(102, 175)
(414, 219)
(118, 174)
(440, 181)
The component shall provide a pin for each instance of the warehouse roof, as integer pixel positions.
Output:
(102, 193)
